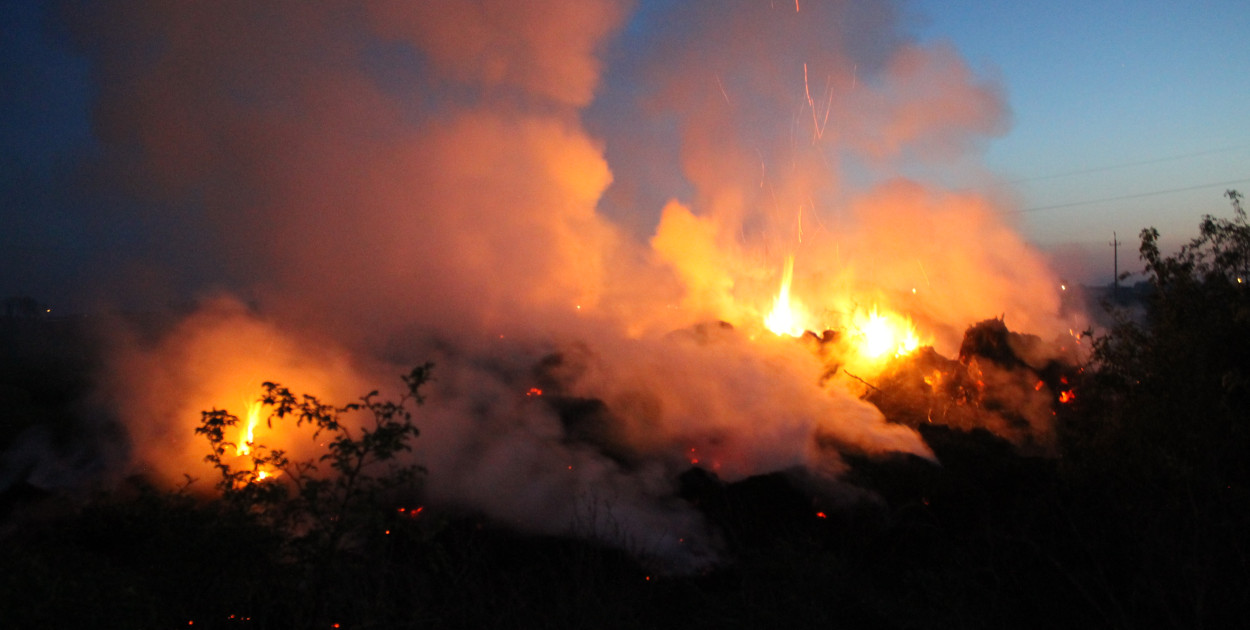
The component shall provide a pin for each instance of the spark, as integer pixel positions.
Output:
(722, 91)
(800, 223)
(923, 273)
(817, 131)
(828, 107)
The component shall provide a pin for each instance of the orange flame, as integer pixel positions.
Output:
(248, 437)
(249, 429)
(875, 336)
(783, 320)
(883, 335)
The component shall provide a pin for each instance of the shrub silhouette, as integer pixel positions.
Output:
(329, 509)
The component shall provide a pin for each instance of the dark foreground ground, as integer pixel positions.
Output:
(1137, 521)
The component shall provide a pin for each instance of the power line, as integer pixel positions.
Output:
(1101, 169)
(1133, 196)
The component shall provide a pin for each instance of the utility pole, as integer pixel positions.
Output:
(1115, 290)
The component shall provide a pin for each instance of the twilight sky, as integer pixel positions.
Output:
(1111, 100)
(1119, 115)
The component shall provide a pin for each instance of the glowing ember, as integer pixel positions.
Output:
(1067, 397)
(783, 320)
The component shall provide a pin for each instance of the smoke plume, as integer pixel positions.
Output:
(582, 197)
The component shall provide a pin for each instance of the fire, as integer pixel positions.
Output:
(884, 335)
(875, 335)
(244, 446)
(783, 320)
(248, 438)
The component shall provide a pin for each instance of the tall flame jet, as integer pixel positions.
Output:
(783, 320)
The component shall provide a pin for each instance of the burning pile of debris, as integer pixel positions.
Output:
(1006, 382)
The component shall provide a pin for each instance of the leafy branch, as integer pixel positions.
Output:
(326, 507)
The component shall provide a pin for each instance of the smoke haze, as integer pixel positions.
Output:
(475, 183)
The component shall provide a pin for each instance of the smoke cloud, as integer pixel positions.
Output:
(465, 182)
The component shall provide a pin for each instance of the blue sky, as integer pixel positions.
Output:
(1109, 100)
